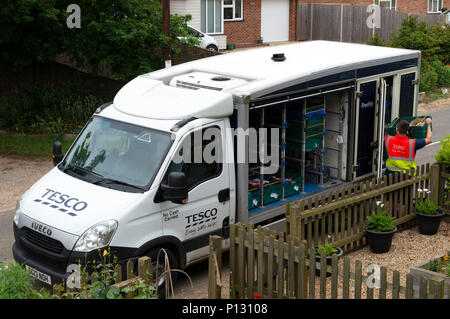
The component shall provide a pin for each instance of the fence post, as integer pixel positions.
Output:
(434, 183)
(437, 287)
(215, 267)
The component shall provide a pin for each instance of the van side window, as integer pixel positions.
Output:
(199, 157)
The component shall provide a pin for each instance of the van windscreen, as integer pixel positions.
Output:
(117, 155)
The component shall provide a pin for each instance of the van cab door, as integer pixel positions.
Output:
(207, 210)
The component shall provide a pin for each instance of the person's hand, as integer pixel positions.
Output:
(428, 121)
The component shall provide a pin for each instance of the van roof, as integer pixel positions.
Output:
(304, 61)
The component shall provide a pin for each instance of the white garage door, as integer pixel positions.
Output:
(275, 20)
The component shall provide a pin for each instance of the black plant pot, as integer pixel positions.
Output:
(428, 224)
(329, 259)
(380, 242)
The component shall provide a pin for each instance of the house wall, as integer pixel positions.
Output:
(249, 29)
(183, 7)
(409, 6)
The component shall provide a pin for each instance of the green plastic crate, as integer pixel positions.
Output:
(273, 193)
(413, 132)
(318, 129)
(314, 120)
(314, 143)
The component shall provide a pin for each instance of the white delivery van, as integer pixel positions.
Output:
(122, 184)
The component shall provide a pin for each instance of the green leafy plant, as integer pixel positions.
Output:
(98, 282)
(328, 248)
(380, 222)
(440, 265)
(427, 207)
(443, 156)
(16, 283)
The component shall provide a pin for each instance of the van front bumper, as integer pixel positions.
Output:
(55, 265)
(56, 270)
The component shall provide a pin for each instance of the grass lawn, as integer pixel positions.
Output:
(31, 145)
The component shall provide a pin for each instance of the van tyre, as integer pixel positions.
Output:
(212, 47)
(173, 262)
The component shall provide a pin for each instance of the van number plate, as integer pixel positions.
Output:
(39, 275)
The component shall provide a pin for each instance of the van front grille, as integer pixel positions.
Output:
(43, 241)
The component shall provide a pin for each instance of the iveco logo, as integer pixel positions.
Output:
(41, 228)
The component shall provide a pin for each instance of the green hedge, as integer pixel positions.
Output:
(57, 109)
(433, 42)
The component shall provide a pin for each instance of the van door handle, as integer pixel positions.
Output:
(224, 195)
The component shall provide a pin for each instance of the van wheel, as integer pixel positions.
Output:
(173, 263)
(212, 47)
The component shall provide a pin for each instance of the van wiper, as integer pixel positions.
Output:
(105, 180)
(79, 169)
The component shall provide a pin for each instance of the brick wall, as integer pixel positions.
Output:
(292, 19)
(409, 6)
(249, 29)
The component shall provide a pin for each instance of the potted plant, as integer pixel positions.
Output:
(379, 231)
(428, 217)
(329, 251)
(260, 40)
(230, 46)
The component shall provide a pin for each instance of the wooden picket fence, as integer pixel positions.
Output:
(443, 196)
(273, 265)
(339, 217)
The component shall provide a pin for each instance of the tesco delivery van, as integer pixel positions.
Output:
(129, 183)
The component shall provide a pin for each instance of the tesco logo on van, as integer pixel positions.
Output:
(62, 202)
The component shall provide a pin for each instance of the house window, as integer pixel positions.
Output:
(211, 20)
(434, 6)
(388, 4)
(232, 10)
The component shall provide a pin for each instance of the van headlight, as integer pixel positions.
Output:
(97, 236)
(17, 214)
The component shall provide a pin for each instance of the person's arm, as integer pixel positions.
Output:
(428, 138)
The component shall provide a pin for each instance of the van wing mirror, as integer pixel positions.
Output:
(176, 189)
(57, 153)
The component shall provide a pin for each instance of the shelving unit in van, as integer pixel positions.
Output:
(301, 146)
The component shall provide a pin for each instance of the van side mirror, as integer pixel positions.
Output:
(57, 153)
(176, 189)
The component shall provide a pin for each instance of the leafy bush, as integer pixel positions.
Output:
(16, 283)
(57, 109)
(328, 248)
(433, 42)
(443, 156)
(99, 282)
(380, 222)
(427, 207)
(377, 40)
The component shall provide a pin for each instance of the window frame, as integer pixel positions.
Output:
(438, 8)
(233, 6)
(377, 2)
(189, 135)
(214, 17)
